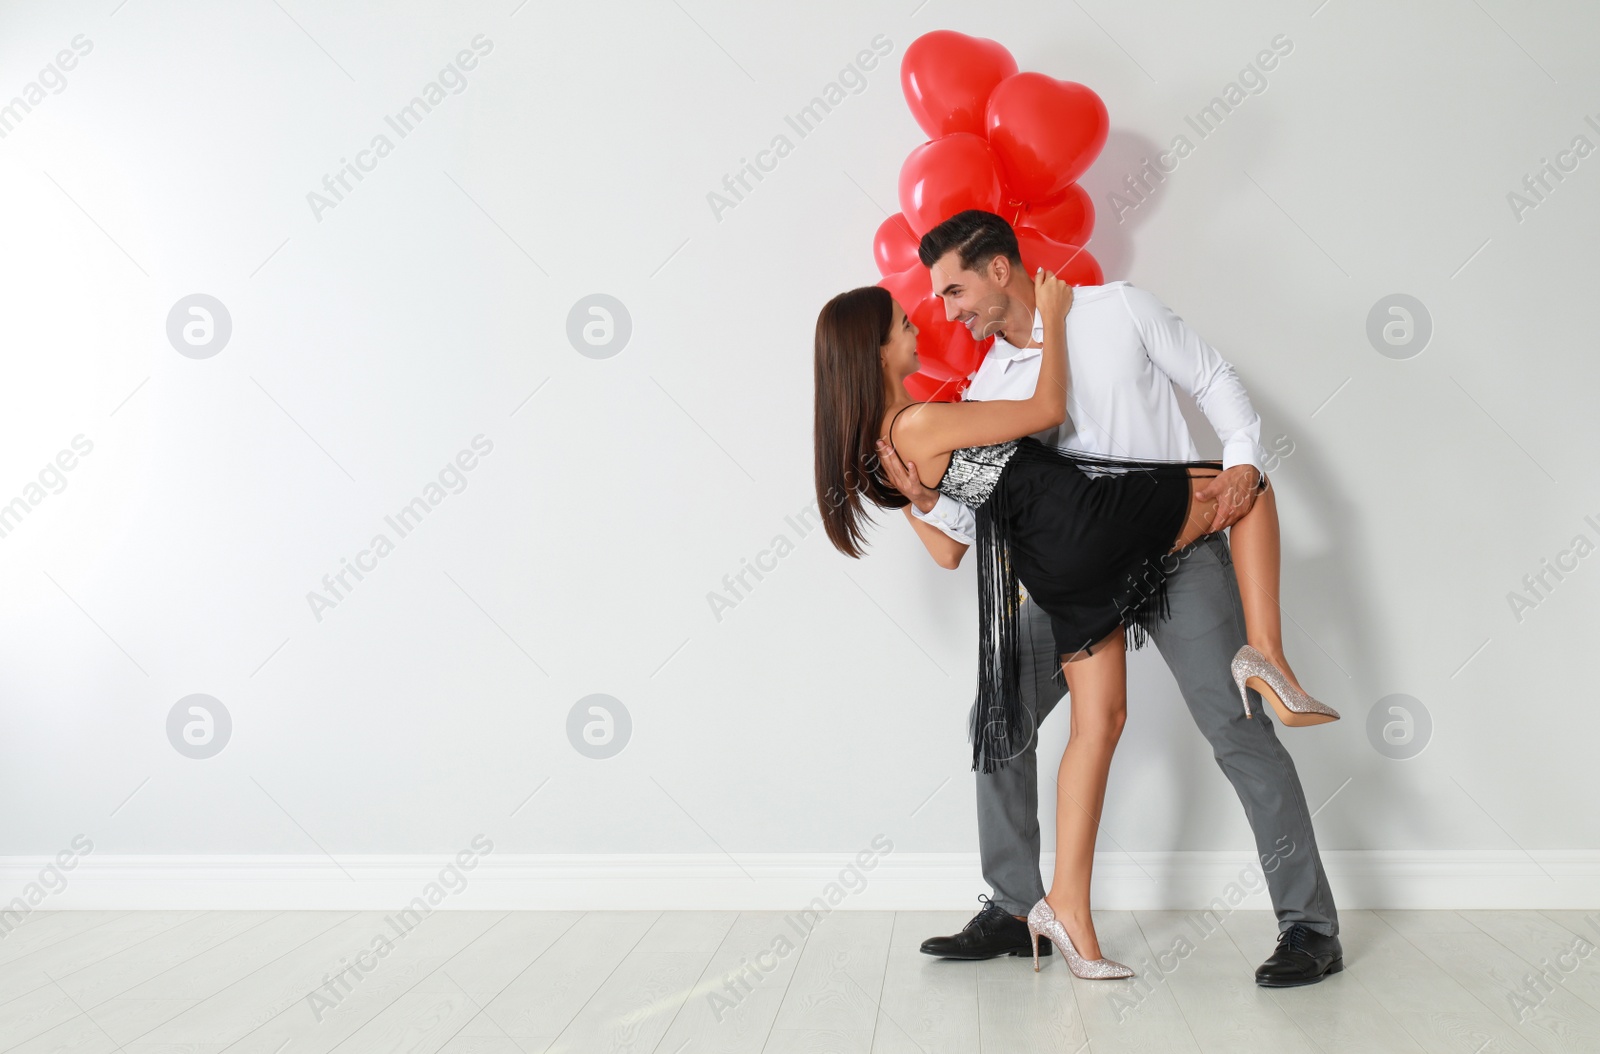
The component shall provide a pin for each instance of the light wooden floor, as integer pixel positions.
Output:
(91, 982)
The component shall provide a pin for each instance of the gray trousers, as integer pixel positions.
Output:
(1198, 641)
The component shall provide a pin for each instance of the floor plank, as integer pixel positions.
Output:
(722, 982)
(325, 1014)
(124, 970)
(839, 979)
(1559, 1022)
(84, 949)
(1214, 986)
(544, 998)
(1553, 953)
(631, 1010)
(1132, 1014)
(928, 1005)
(1441, 1015)
(1337, 1013)
(735, 1000)
(57, 927)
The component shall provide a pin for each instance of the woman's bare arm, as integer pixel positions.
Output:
(945, 550)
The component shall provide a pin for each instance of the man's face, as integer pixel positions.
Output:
(976, 299)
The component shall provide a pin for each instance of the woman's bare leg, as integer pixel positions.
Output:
(1098, 690)
(1256, 559)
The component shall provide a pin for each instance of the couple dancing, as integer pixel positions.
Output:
(1070, 466)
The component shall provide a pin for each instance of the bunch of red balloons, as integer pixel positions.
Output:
(1007, 142)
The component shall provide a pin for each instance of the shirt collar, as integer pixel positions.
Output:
(1003, 349)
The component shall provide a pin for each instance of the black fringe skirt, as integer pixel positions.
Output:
(1093, 552)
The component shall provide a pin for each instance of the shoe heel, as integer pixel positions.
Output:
(1294, 707)
(1033, 942)
(1239, 677)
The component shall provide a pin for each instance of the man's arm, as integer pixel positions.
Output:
(1198, 369)
(951, 517)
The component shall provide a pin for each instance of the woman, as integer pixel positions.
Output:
(1092, 551)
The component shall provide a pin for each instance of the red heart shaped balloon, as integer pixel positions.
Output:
(1045, 133)
(947, 341)
(928, 389)
(910, 287)
(947, 176)
(1068, 217)
(894, 246)
(938, 369)
(947, 77)
(1073, 265)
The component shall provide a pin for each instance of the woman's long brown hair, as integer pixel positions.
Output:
(849, 413)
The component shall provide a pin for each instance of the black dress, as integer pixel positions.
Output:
(1092, 551)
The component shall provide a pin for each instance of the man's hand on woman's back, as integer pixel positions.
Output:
(903, 477)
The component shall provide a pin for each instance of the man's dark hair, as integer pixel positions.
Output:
(976, 236)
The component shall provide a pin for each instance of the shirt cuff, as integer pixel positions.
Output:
(941, 517)
(1242, 451)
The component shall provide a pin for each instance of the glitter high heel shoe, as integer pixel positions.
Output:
(1042, 922)
(1295, 708)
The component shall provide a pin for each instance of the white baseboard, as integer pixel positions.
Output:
(778, 881)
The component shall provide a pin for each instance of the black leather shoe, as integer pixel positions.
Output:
(1303, 956)
(992, 931)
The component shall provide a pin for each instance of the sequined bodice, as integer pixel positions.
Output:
(974, 470)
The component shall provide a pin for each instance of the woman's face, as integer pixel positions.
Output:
(899, 352)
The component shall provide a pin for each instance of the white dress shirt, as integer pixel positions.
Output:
(1127, 352)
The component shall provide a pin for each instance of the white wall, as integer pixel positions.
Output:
(372, 343)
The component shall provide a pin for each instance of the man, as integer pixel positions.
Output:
(1127, 353)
